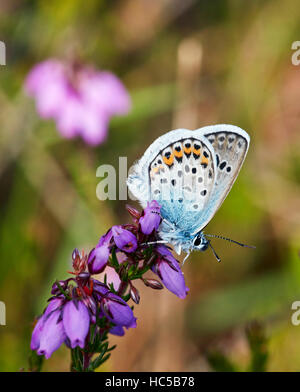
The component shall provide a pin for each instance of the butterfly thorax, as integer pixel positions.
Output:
(182, 239)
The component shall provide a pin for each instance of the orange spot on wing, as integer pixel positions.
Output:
(196, 152)
(188, 150)
(204, 160)
(169, 161)
(178, 154)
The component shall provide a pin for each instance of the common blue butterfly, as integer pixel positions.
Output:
(189, 173)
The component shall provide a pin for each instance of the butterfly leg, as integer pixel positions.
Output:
(214, 252)
(165, 221)
(186, 257)
(155, 242)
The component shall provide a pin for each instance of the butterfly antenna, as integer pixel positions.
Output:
(214, 252)
(230, 240)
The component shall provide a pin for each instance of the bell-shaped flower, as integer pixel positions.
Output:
(100, 289)
(52, 334)
(124, 239)
(117, 311)
(150, 220)
(98, 256)
(38, 329)
(76, 322)
(36, 334)
(168, 269)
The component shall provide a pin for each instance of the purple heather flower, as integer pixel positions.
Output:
(98, 257)
(36, 334)
(76, 322)
(117, 311)
(37, 331)
(53, 304)
(80, 99)
(68, 323)
(117, 330)
(52, 334)
(100, 288)
(124, 239)
(168, 269)
(151, 218)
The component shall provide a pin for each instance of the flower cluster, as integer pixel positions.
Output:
(80, 99)
(83, 310)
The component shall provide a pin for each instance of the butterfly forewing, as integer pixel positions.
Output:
(230, 150)
(230, 145)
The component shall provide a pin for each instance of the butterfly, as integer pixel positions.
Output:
(189, 173)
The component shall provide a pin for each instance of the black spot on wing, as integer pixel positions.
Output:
(222, 165)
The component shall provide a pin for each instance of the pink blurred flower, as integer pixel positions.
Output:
(111, 276)
(80, 99)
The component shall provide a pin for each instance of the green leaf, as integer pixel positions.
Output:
(111, 348)
(103, 347)
(98, 361)
(220, 363)
(62, 290)
(258, 346)
(131, 272)
(114, 261)
(126, 297)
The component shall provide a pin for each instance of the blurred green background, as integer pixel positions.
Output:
(186, 64)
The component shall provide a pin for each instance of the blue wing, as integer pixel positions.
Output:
(188, 173)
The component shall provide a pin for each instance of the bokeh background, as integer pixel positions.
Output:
(186, 64)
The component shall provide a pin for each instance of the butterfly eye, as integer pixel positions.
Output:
(197, 241)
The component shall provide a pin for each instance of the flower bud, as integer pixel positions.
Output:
(133, 212)
(134, 294)
(98, 256)
(153, 283)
